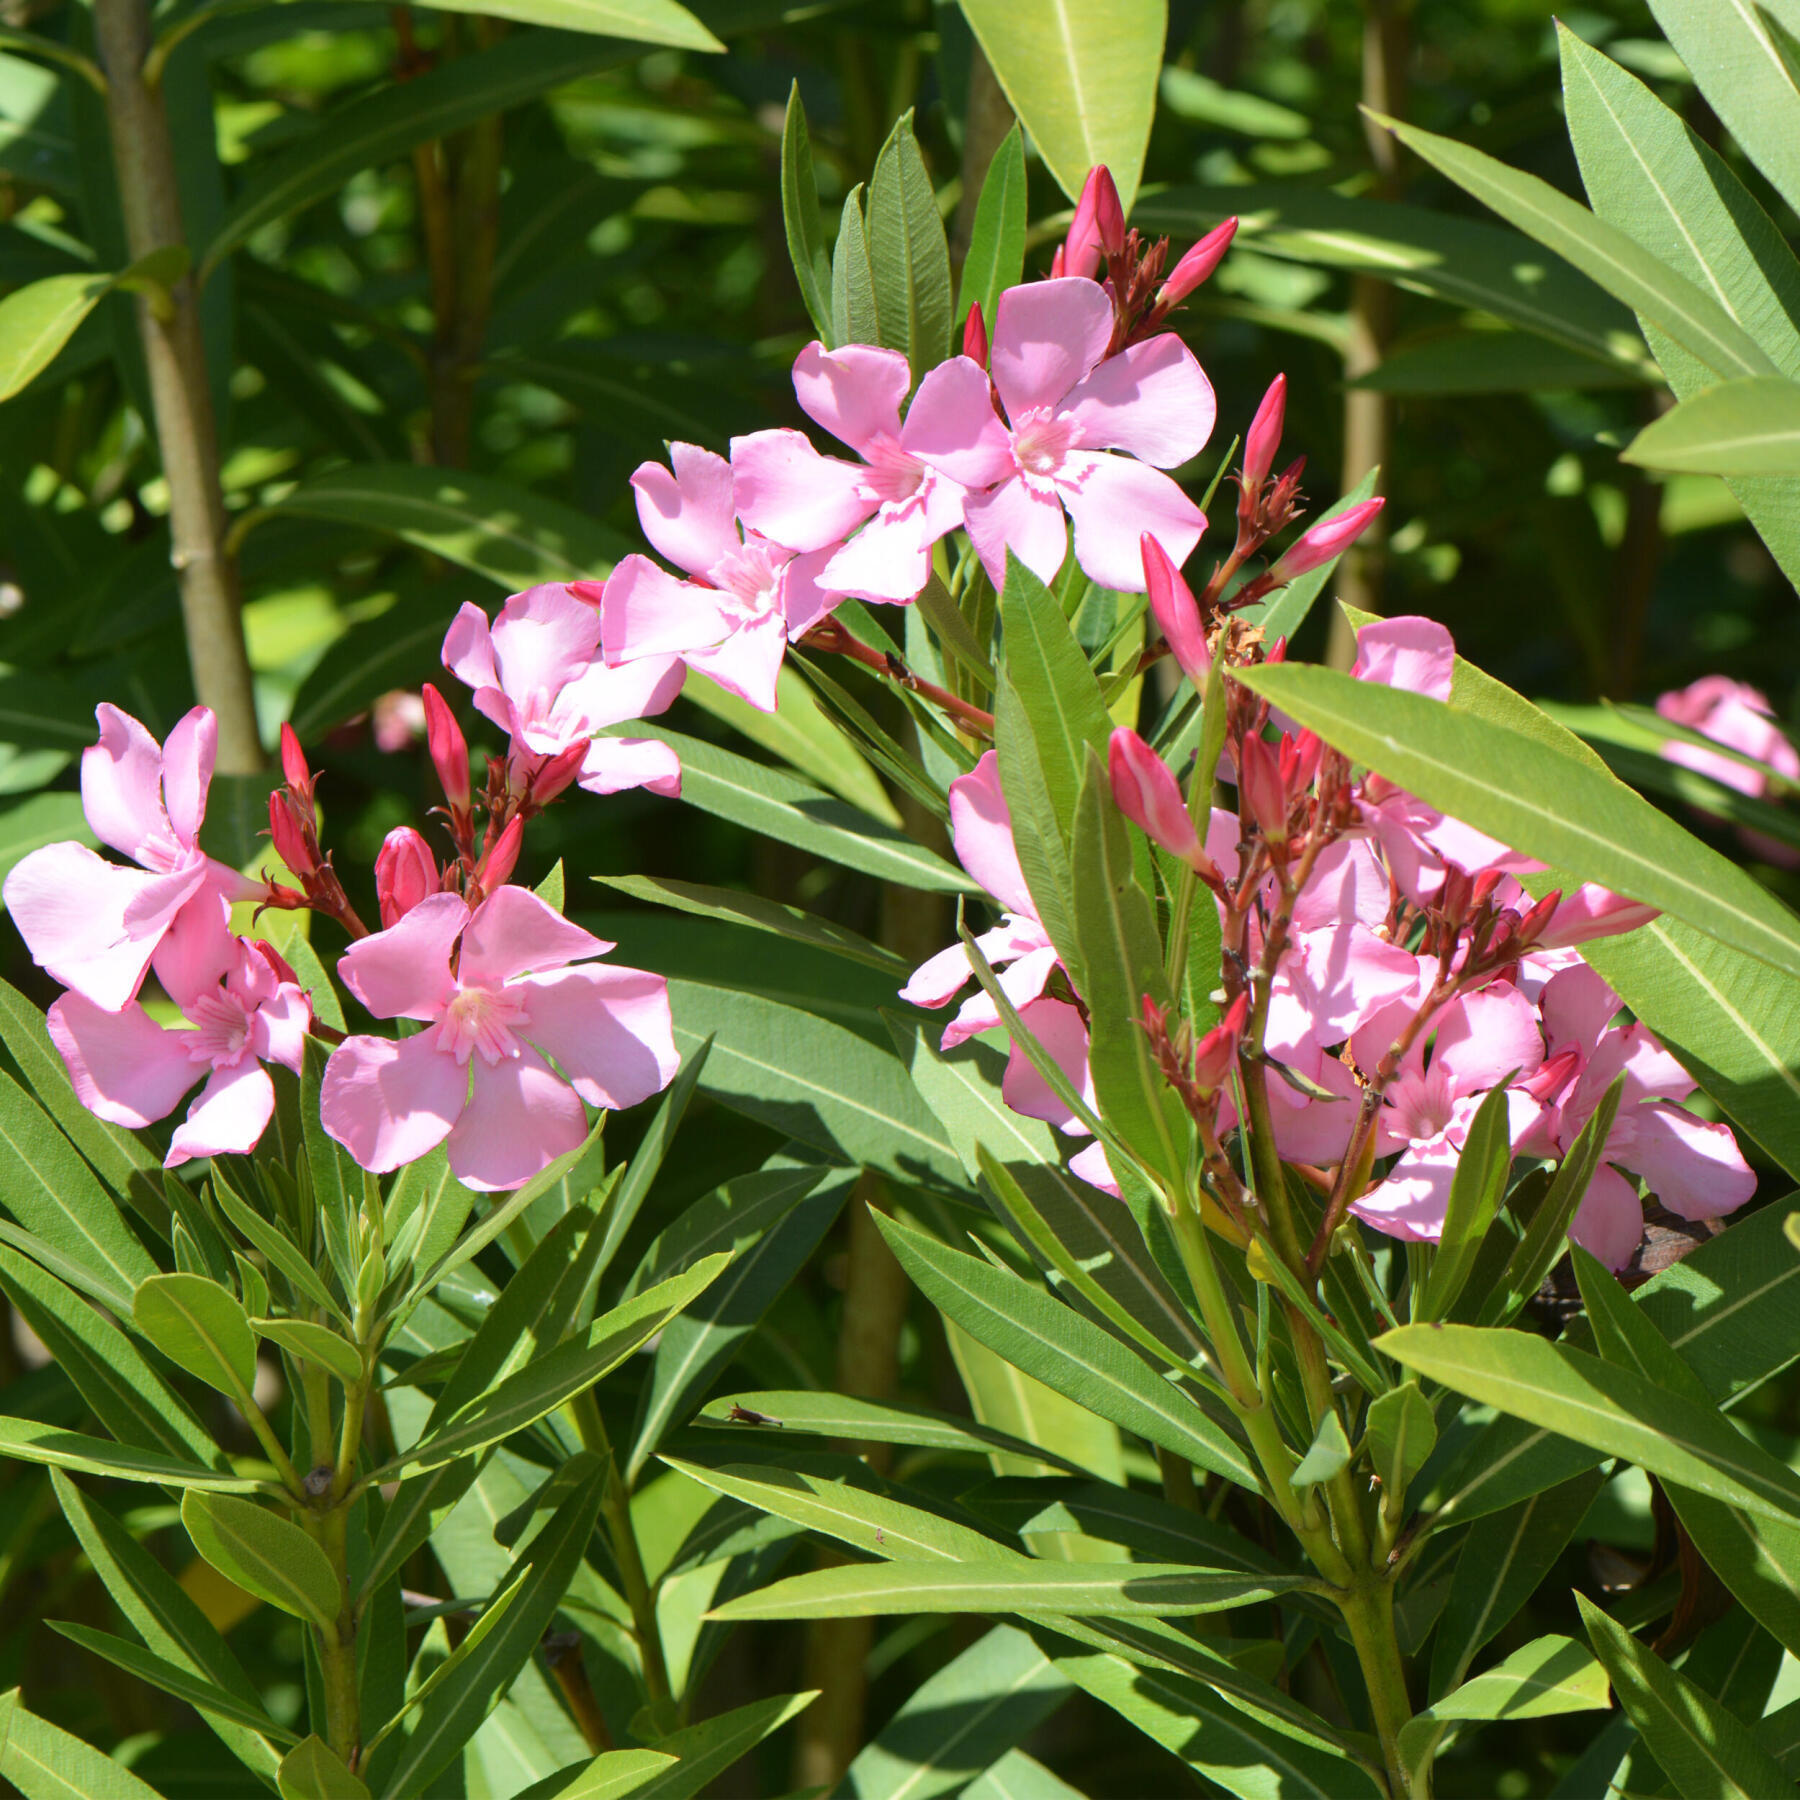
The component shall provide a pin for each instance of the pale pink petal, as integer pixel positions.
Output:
(90, 923)
(951, 424)
(543, 639)
(1609, 1223)
(1151, 399)
(390, 1102)
(404, 972)
(981, 829)
(1593, 912)
(1047, 336)
(805, 596)
(688, 514)
(1409, 652)
(1061, 1030)
(606, 1028)
(1308, 1129)
(1484, 1037)
(791, 494)
(855, 391)
(748, 662)
(279, 1027)
(1651, 1073)
(187, 772)
(1113, 502)
(1577, 1007)
(469, 648)
(229, 1117)
(121, 790)
(646, 612)
(1014, 517)
(1412, 1201)
(124, 1066)
(614, 764)
(1021, 983)
(1474, 850)
(1345, 977)
(1348, 885)
(939, 979)
(1091, 1166)
(890, 558)
(197, 951)
(513, 931)
(603, 696)
(520, 1118)
(1693, 1166)
(977, 1014)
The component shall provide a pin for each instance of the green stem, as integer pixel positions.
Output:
(337, 1645)
(615, 1509)
(1368, 1610)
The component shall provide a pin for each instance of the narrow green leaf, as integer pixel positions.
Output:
(641, 21)
(315, 1344)
(855, 318)
(1402, 1434)
(44, 1762)
(1707, 1753)
(612, 1775)
(37, 320)
(29, 1440)
(908, 254)
(1082, 77)
(312, 1770)
(1326, 1456)
(265, 1555)
(282, 1253)
(199, 1327)
(800, 216)
(1747, 427)
(1476, 1191)
(996, 258)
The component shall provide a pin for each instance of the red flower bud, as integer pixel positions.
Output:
(288, 834)
(1215, 1053)
(1262, 794)
(1264, 437)
(1175, 610)
(405, 873)
(1531, 927)
(1197, 264)
(975, 337)
(554, 773)
(1147, 795)
(1327, 540)
(495, 869)
(1098, 228)
(293, 763)
(449, 749)
(275, 960)
(590, 591)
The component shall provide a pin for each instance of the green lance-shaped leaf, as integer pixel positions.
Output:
(1613, 1410)
(524, 1397)
(908, 253)
(1548, 1675)
(312, 1770)
(53, 1194)
(1078, 1590)
(1748, 427)
(44, 1762)
(282, 1253)
(29, 1440)
(800, 216)
(1540, 801)
(1476, 1191)
(1601, 251)
(1706, 1753)
(1082, 77)
(38, 319)
(200, 1327)
(265, 1554)
(996, 258)
(1402, 1434)
(855, 313)
(612, 1775)
(1326, 1456)
(313, 1343)
(204, 1696)
(639, 21)
(1055, 1345)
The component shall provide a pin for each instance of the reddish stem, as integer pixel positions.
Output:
(829, 635)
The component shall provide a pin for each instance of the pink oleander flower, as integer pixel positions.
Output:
(500, 1004)
(1738, 716)
(1069, 408)
(1062, 1032)
(243, 1007)
(981, 830)
(1693, 1166)
(1481, 1040)
(398, 720)
(537, 675)
(748, 594)
(92, 924)
(790, 494)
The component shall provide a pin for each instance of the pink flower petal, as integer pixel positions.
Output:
(981, 828)
(614, 764)
(1029, 524)
(645, 612)
(543, 639)
(124, 1066)
(607, 1028)
(951, 425)
(1577, 1007)
(1693, 1166)
(1412, 1201)
(855, 391)
(1022, 983)
(1113, 501)
(939, 979)
(1060, 1029)
(513, 931)
(198, 951)
(389, 1103)
(890, 558)
(790, 493)
(688, 514)
(1047, 336)
(1409, 652)
(602, 696)
(1151, 399)
(1485, 1036)
(404, 972)
(229, 1117)
(121, 790)
(520, 1118)
(1609, 1223)
(747, 662)
(469, 648)
(805, 599)
(278, 1029)
(1090, 1165)
(187, 771)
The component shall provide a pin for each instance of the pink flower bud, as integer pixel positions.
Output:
(1327, 540)
(1262, 794)
(449, 749)
(1056, 263)
(1147, 795)
(1215, 1053)
(1175, 610)
(975, 337)
(1098, 227)
(554, 773)
(592, 592)
(496, 868)
(293, 763)
(288, 834)
(1264, 436)
(405, 873)
(1197, 264)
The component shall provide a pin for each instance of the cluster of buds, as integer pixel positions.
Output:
(1196, 1068)
(294, 831)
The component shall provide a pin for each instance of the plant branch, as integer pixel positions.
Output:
(829, 635)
